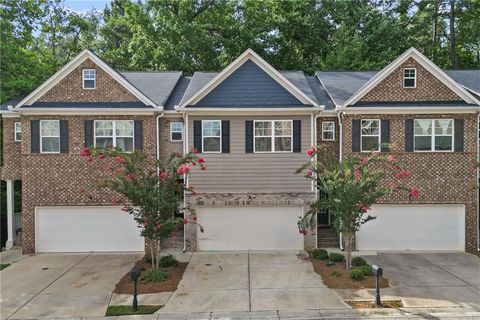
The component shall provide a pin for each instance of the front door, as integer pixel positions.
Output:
(323, 219)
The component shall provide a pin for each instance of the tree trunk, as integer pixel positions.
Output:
(349, 236)
(453, 44)
(157, 266)
(152, 255)
(435, 32)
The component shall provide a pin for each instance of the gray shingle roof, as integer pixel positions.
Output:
(157, 86)
(12, 102)
(177, 93)
(468, 78)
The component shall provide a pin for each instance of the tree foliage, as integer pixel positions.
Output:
(39, 36)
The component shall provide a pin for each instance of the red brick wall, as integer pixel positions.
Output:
(331, 148)
(70, 88)
(443, 178)
(66, 179)
(428, 88)
(12, 164)
(167, 146)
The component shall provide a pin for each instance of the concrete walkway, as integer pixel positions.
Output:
(250, 281)
(60, 285)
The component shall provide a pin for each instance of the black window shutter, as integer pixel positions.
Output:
(88, 127)
(356, 135)
(297, 135)
(459, 133)
(35, 136)
(225, 136)
(138, 134)
(63, 136)
(197, 135)
(249, 136)
(385, 135)
(409, 135)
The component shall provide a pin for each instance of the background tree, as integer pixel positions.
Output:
(351, 188)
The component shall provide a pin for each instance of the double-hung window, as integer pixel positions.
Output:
(370, 135)
(433, 135)
(17, 127)
(89, 79)
(409, 78)
(115, 134)
(49, 136)
(328, 131)
(212, 136)
(176, 131)
(273, 136)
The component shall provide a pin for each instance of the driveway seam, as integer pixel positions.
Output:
(468, 284)
(23, 305)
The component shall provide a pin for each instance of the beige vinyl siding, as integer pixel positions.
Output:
(238, 171)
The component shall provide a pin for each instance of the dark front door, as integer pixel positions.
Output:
(323, 219)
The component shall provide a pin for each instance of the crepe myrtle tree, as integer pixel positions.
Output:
(150, 190)
(351, 188)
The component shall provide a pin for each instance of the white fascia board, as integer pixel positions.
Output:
(426, 63)
(69, 67)
(265, 66)
(412, 110)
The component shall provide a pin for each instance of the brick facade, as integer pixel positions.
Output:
(66, 179)
(332, 148)
(12, 152)
(70, 88)
(243, 199)
(166, 146)
(428, 87)
(442, 177)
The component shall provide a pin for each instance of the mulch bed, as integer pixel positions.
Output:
(370, 304)
(343, 281)
(174, 275)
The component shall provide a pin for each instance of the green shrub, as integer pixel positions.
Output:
(168, 261)
(319, 254)
(151, 275)
(366, 269)
(358, 261)
(147, 258)
(336, 273)
(336, 257)
(356, 273)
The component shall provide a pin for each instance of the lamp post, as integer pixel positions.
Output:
(134, 274)
(378, 272)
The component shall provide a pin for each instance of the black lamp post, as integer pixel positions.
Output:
(378, 272)
(134, 274)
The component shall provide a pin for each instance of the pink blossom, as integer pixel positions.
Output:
(391, 158)
(311, 151)
(414, 193)
(183, 169)
(115, 202)
(364, 161)
(362, 207)
(101, 156)
(85, 152)
(185, 221)
(201, 160)
(357, 174)
(309, 174)
(119, 160)
(129, 176)
(126, 209)
(163, 175)
(203, 168)
(195, 150)
(194, 218)
(402, 174)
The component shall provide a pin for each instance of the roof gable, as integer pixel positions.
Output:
(454, 91)
(48, 90)
(247, 81)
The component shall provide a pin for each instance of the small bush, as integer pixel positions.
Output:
(356, 273)
(319, 254)
(336, 257)
(151, 275)
(336, 273)
(358, 261)
(168, 261)
(366, 269)
(147, 258)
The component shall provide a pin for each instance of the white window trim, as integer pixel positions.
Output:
(113, 136)
(371, 135)
(203, 137)
(94, 79)
(171, 131)
(323, 130)
(273, 136)
(414, 78)
(41, 137)
(432, 137)
(15, 131)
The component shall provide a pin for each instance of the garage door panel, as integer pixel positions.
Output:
(421, 227)
(250, 228)
(85, 229)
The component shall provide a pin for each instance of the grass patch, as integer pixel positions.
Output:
(4, 265)
(127, 310)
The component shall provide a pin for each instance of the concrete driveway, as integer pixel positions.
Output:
(61, 285)
(250, 281)
(432, 279)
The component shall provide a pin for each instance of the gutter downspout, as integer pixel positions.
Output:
(158, 137)
(185, 178)
(340, 158)
(478, 181)
(315, 142)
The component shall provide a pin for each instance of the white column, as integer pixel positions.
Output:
(10, 212)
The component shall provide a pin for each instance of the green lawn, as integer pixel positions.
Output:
(127, 310)
(4, 265)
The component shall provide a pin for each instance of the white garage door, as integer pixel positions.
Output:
(249, 228)
(85, 229)
(421, 227)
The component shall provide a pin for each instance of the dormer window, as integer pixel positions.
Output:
(89, 80)
(409, 78)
